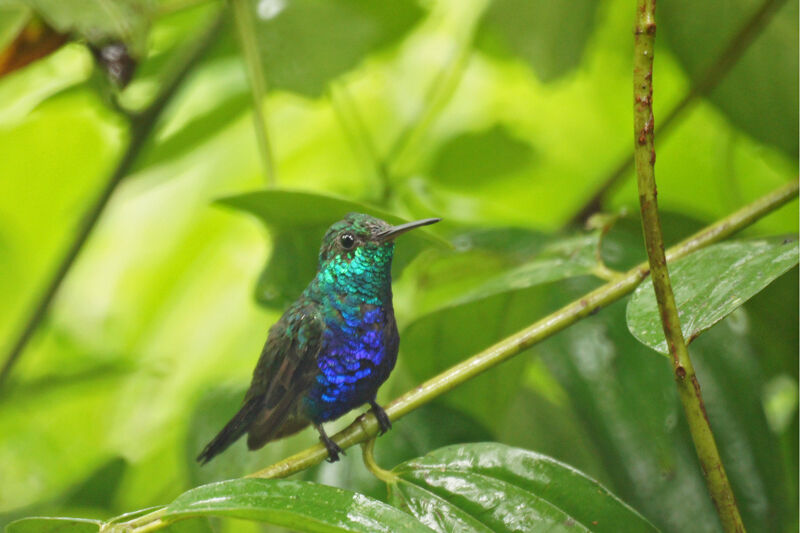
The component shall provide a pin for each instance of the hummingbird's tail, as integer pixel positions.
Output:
(234, 429)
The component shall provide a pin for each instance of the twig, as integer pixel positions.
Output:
(685, 378)
(738, 44)
(245, 27)
(141, 126)
(366, 426)
(368, 452)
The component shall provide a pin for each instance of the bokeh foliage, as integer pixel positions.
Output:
(503, 117)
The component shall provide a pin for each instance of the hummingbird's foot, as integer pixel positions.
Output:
(333, 449)
(383, 419)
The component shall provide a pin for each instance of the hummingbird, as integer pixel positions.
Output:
(332, 348)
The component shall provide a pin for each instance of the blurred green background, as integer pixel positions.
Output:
(503, 117)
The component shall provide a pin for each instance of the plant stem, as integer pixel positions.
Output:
(366, 426)
(738, 44)
(245, 27)
(142, 125)
(368, 451)
(685, 378)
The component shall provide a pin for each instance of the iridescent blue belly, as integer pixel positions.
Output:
(354, 361)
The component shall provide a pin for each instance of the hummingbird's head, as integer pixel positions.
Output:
(360, 244)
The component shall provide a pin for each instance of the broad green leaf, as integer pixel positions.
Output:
(493, 487)
(306, 43)
(535, 32)
(630, 410)
(53, 525)
(298, 221)
(298, 505)
(709, 285)
(759, 94)
(483, 156)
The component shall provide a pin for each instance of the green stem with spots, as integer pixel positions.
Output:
(688, 386)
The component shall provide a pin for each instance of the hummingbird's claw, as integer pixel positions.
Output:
(333, 449)
(383, 419)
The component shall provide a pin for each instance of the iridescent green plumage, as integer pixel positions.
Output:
(333, 348)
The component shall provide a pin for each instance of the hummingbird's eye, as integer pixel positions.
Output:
(347, 241)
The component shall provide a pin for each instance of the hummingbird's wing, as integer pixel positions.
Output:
(285, 371)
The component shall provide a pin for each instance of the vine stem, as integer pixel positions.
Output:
(688, 386)
(142, 124)
(738, 44)
(245, 27)
(366, 426)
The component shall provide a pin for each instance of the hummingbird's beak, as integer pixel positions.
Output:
(394, 231)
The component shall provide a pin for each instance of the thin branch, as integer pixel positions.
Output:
(738, 44)
(366, 426)
(688, 386)
(245, 27)
(141, 127)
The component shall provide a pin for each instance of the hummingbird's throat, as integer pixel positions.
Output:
(365, 272)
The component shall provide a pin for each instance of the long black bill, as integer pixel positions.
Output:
(394, 231)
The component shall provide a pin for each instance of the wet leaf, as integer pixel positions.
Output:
(493, 487)
(53, 525)
(297, 505)
(709, 285)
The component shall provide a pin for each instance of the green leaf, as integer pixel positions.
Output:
(297, 505)
(99, 21)
(709, 285)
(536, 32)
(759, 94)
(489, 294)
(306, 43)
(53, 525)
(298, 221)
(493, 487)
(477, 157)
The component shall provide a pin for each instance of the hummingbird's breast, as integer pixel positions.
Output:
(358, 352)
